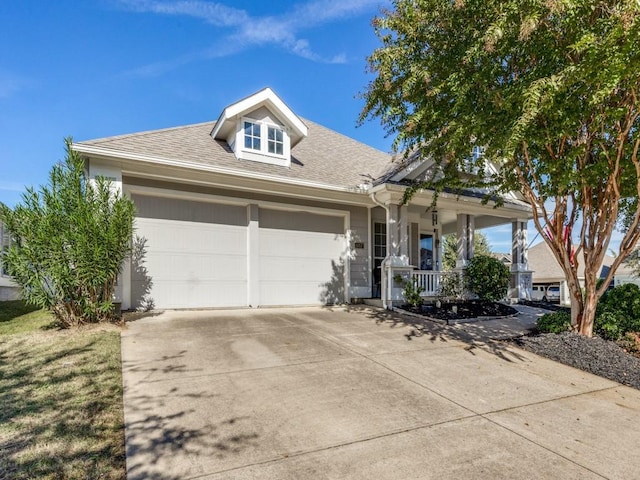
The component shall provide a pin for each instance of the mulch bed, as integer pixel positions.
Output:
(595, 355)
(463, 310)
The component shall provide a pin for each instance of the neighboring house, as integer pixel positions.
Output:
(626, 274)
(547, 271)
(504, 258)
(262, 207)
(8, 289)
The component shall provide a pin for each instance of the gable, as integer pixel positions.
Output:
(260, 128)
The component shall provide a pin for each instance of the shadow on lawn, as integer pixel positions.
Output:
(168, 435)
(60, 414)
(440, 332)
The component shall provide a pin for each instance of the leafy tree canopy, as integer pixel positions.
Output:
(70, 238)
(548, 89)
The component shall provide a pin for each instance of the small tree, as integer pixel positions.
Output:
(547, 90)
(69, 242)
(487, 277)
(481, 246)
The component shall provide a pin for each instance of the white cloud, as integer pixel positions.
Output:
(11, 186)
(11, 84)
(246, 31)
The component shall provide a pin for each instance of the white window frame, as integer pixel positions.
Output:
(263, 155)
(275, 141)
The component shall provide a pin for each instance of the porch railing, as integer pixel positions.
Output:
(430, 281)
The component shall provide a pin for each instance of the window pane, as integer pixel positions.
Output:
(272, 133)
(251, 135)
(279, 149)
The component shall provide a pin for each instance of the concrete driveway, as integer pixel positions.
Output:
(358, 394)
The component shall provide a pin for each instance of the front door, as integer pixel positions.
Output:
(379, 254)
(426, 252)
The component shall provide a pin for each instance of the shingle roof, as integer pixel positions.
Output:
(546, 269)
(325, 156)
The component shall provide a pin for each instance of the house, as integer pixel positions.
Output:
(262, 207)
(8, 289)
(547, 271)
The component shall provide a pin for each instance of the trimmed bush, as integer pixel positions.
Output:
(487, 277)
(412, 292)
(556, 322)
(618, 312)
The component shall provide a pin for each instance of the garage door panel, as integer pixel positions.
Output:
(283, 268)
(193, 238)
(300, 258)
(200, 295)
(300, 244)
(192, 264)
(199, 268)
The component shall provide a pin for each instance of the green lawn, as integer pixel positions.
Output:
(60, 398)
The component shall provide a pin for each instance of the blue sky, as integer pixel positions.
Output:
(96, 68)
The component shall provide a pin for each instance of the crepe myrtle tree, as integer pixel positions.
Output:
(548, 90)
(70, 238)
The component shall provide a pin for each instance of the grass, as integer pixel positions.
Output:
(61, 413)
(18, 317)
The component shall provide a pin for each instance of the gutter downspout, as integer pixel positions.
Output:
(384, 281)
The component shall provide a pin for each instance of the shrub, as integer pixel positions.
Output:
(451, 286)
(631, 342)
(487, 277)
(556, 322)
(70, 239)
(411, 292)
(618, 312)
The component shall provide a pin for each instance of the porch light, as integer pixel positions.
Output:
(434, 217)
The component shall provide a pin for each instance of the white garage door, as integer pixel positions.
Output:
(300, 258)
(195, 254)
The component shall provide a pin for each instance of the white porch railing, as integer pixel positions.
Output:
(430, 281)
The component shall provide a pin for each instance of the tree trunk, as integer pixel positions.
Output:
(588, 316)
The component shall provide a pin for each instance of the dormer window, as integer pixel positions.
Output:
(260, 128)
(263, 141)
(252, 136)
(276, 140)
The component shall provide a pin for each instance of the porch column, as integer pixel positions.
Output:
(403, 231)
(393, 233)
(466, 231)
(521, 277)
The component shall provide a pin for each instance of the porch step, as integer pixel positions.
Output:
(373, 302)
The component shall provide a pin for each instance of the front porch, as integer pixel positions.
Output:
(407, 240)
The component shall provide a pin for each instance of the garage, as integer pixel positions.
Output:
(301, 258)
(197, 254)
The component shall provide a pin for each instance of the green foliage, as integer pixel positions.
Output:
(70, 240)
(547, 89)
(412, 292)
(487, 277)
(618, 312)
(631, 342)
(451, 286)
(556, 322)
(481, 246)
